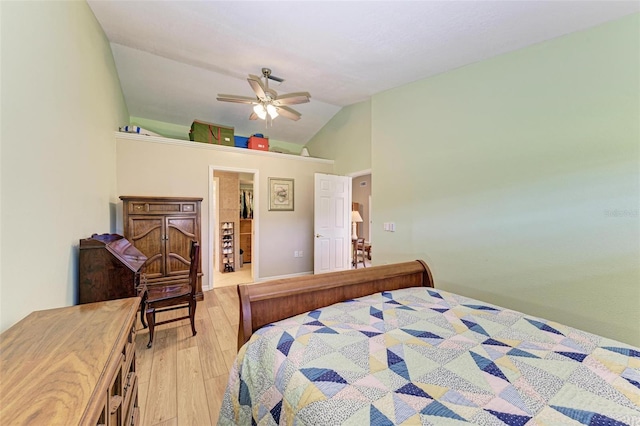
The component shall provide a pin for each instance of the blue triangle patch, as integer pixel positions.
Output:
(322, 375)
(587, 417)
(623, 351)
(573, 355)
(421, 333)
(400, 368)
(377, 418)
(520, 352)
(434, 294)
(375, 312)
(441, 310)
(370, 333)
(402, 411)
(326, 330)
(275, 412)
(543, 326)
(488, 366)
(494, 342)
(244, 396)
(474, 327)
(481, 307)
(285, 343)
(314, 314)
(511, 419)
(411, 389)
(406, 308)
(393, 358)
(316, 322)
(437, 409)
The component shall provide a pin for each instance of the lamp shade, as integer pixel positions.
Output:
(260, 111)
(273, 113)
(355, 216)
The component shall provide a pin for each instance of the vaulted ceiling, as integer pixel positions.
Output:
(174, 57)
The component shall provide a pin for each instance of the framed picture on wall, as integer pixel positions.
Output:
(281, 194)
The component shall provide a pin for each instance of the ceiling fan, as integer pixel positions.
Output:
(267, 104)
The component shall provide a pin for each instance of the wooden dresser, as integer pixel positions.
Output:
(71, 366)
(162, 228)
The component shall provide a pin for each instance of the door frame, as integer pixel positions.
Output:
(364, 173)
(255, 244)
(347, 252)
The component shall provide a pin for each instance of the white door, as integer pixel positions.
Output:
(332, 213)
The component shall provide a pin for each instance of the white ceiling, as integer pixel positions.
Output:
(174, 57)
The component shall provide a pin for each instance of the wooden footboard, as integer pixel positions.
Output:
(270, 301)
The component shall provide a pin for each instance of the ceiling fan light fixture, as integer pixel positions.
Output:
(273, 113)
(260, 111)
(267, 105)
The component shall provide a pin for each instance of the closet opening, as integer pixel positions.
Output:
(233, 226)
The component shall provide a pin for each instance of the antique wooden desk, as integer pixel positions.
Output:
(71, 366)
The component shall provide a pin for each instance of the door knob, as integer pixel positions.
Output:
(318, 236)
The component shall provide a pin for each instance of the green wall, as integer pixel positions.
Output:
(517, 179)
(346, 138)
(61, 103)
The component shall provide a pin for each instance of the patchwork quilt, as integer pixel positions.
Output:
(421, 356)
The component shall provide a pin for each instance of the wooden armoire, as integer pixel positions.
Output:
(162, 228)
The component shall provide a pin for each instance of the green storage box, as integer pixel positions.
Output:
(201, 131)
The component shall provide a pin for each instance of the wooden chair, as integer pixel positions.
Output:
(170, 297)
(358, 252)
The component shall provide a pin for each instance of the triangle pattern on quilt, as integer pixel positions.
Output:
(322, 375)
(473, 326)
(488, 366)
(510, 419)
(587, 417)
(544, 327)
(440, 410)
(377, 418)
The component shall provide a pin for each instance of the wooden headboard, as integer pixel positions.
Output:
(264, 303)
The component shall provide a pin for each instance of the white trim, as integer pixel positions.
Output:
(360, 173)
(255, 246)
(213, 147)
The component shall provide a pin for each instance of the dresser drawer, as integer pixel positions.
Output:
(129, 349)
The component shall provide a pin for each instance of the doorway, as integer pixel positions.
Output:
(233, 226)
(361, 202)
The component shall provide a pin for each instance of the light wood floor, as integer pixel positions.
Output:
(181, 379)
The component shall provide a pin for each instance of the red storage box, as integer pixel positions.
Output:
(259, 143)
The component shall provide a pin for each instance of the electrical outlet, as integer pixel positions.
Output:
(300, 253)
(295, 253)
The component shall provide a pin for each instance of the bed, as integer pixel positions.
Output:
(382, 346)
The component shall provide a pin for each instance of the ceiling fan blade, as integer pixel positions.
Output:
(292, 98)
(253, 116)
(237, 99)
(289, 113)
(276, 79)
(256, 85)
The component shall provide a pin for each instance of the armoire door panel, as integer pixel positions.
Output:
(147, 235)
(180, 232)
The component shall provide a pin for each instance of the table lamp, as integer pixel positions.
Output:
(355, 218)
